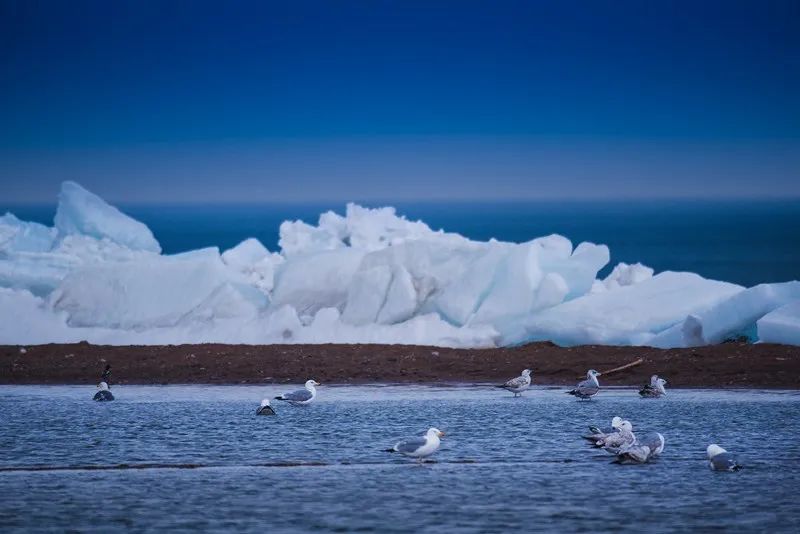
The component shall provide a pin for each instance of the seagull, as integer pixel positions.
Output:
(265, 408)
(103, 394)
(596, 433)
(616, 441)
(419, 447)
(642, 451)
(589, 387)
(519, 384)
(301, 396)
(721, 460)
(654, 389)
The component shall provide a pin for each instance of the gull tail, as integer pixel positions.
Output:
(279, 397)
(389, 450)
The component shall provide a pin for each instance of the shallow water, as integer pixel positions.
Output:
(197, 457)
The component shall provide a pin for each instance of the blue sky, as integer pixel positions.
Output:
(271, 101)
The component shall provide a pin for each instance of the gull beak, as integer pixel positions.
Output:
(441, 434)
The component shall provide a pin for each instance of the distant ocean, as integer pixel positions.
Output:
(737, 241)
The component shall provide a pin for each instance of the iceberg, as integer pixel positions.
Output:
(21, 236)
(367, 276)
(630, 315)
(781, 325)
(255, 262)
(738, 314)
(152, 293)
(84, 213)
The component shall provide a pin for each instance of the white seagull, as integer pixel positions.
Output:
(721, 460)
(265, 408)
(589, 387)
(519, 384)
(616, 441)
(301, 396)
(642, 451)
(596, 433)
(419, 447)
(654, 389)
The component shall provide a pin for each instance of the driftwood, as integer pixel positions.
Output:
(621, 367)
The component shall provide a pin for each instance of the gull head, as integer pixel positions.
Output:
(311, 383)
(661, 382)
(432, 431)
(102, 386)
(592, 374)
(526, 372)
(265, 402)
(714, 450)
(616, 422)
(626, 426)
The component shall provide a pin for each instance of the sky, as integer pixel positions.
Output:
(191, 101)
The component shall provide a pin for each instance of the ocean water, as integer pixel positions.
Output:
(737, 241)
(198, 458)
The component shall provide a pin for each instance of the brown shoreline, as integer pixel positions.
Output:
(725, 365)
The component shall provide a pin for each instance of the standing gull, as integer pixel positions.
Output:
(419, 447)
(721, 460)
(301, 396)
(265, 408)
(103, 394)
(589, 387)
(519, 384)
(654, 389)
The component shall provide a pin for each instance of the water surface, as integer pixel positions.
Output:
(197, 457)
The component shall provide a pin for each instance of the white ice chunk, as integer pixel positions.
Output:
(374, 229)
(255, 262)
(82, 212)
(361, 228)
(629, 314)
(401, 298)
(735, 315)
(781, 325)
(297, 237)
(148, 293)
(516, 282)
(461, 296)
(627, 275)
(89, 249)
(26, 319)
(23, 236)
(38, 272)
(366, 295)
(310, 282)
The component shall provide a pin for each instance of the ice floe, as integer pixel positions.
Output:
(368, 276)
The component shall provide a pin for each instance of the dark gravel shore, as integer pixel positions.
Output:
(725, 365)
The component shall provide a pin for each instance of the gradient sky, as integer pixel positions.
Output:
(377, 100)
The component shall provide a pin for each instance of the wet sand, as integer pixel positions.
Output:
(725, 365)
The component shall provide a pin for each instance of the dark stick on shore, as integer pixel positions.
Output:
(725, 365)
